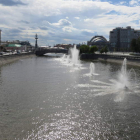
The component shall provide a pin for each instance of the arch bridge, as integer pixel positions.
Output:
(42, 51)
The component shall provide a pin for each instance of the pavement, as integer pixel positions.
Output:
(116, 53)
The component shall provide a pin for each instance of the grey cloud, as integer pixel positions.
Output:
(62, 36)
(62, 22)
(11, 2)
(15, 31)
(65, 22)
(21, 28)
(52, 19)
(26, 22)
(88, 33)
(34, 28)
(12, 32)
(43, 28)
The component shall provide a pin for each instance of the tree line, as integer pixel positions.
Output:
(92, 49)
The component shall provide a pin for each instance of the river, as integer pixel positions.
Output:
(42, 98)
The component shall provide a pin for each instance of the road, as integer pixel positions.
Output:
(10, 53)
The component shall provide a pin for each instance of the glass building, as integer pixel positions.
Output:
(120, 38)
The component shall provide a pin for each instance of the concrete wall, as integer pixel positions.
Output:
(11, 58)
(131, 60)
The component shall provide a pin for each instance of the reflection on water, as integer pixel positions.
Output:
(44, 98)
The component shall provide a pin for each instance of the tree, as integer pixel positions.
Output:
(93, 49)
(134, 45)
(138, 44)
(104, 50)
(84, 49)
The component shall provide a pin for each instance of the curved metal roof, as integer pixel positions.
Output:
(98, 39)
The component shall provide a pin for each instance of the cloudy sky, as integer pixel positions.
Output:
(65, 21)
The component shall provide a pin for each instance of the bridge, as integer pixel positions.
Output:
(42, 51)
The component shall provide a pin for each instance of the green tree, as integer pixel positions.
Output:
(102, 50)
(138, 44)
(134, 45)
(105, 49)
(93, 49)
(84, 49)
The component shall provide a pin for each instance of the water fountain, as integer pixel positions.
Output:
(92, 69)
(125, 83)
(123, 77)
(74, 53)
(63, 57)
(68, 59)
(73, 58)
(126, 79)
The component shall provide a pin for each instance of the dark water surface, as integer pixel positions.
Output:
(42, 98)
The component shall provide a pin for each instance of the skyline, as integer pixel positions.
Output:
(65, 21)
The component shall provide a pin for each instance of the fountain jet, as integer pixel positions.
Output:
(74, 52)
(92, 68)
(125, 77)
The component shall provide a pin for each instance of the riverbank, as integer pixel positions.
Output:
(6, 59)
(119, 61)
(131, 59)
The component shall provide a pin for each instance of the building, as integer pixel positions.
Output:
(120, 38)
(15, 47)
(99, 41)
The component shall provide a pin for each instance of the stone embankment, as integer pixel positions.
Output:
(5, 59)
(132, 60)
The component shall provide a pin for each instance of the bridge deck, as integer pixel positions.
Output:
(41, 52)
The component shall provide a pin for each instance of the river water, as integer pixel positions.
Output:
(42, 98)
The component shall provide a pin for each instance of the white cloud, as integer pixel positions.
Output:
(122, 2)
(87, 30)
(134, 2)
(68, 29)
(62, 22)
(55, 19)
(77, 17)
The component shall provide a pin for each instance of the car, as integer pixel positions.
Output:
(1, 53)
